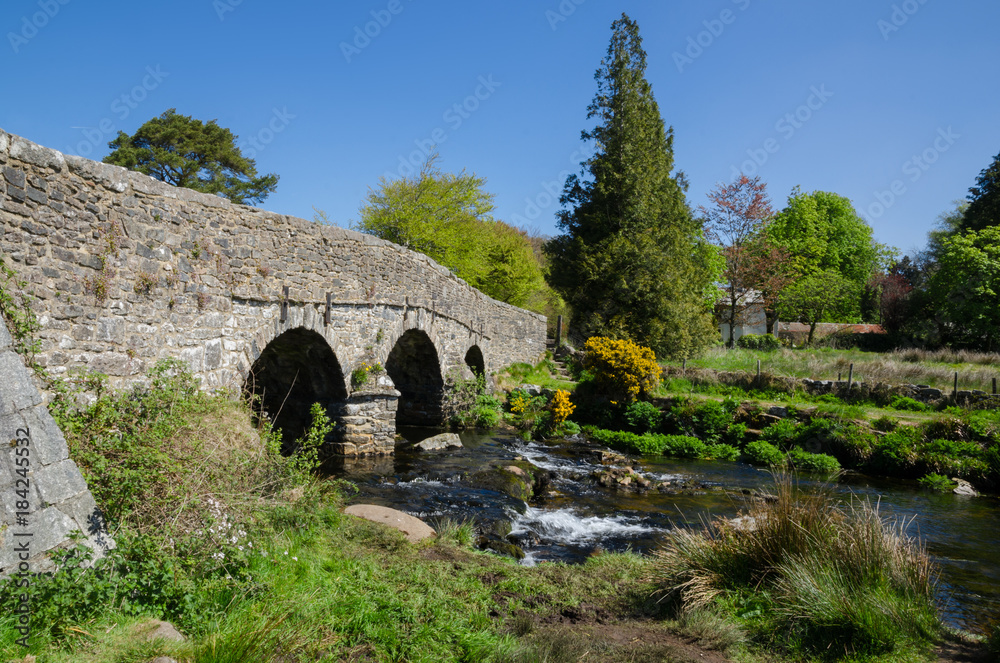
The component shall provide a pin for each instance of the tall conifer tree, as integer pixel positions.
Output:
(633, 262)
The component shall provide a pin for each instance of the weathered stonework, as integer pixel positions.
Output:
(43, 493)
(128, 270)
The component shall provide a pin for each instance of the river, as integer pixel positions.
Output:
(575, 517)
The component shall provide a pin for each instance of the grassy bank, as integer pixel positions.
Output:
(250, 556)
(934, 368)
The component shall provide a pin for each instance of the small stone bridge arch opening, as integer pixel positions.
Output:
(415, 370)
(296, 369)
(476, 363)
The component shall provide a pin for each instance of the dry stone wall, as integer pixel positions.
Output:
(44, 496)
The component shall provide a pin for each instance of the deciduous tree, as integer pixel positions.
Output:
(449, 217)
(755, 269)
(196, 155)
(816, 296)
(965, 289)
(632, 262)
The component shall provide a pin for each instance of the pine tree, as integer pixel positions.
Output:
(632, 262)
(984, 205)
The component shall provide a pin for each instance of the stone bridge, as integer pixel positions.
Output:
(126, 270)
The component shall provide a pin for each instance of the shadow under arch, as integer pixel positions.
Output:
(474, 360)
(295, 370)
(415, 370)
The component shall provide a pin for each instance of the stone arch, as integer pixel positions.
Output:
(475, 361)
(296, 369)
(415, 369)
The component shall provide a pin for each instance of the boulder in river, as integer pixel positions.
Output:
(964, 488)
(412, 528)
(622, 478)
(439, 442)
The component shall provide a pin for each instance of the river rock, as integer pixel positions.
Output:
(438, 442)
(519, 484)
(531, 389)
(622, 478)
(964, 488)
(609, 457)
(155, 629)
(413, 528)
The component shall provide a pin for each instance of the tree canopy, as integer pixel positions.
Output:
(964, 290)
(737, 221)
(822, 231)
(449, 217)
(984, 199)
(812, 298)
(190, 153)
(632, 262)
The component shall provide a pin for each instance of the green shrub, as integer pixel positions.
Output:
(710, 421)
(682, 446)
(643, 417)
(765, 342)
(907, 404)
(809, 462)
(848, 442)
(763, 453)
(896, 453)
(885, 424)
(937, 482)
(720, 452)
(781, 433)
(735, 434)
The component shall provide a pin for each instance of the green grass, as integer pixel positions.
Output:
(250, 556)
(808, 576)
(542, 374)
(936, 369)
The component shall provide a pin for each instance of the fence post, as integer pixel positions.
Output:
(994, 386)
(758, 370)
(850, 376)
(558, 332)
(954, 392)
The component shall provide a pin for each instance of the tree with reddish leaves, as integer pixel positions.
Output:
(887, 296)
(754, 269)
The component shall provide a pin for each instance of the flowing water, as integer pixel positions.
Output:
(575, 517)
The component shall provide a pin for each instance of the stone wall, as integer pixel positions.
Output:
(44, 496)
(128, 270)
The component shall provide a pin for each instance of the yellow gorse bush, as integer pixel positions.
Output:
(621, 367)
(518, 404)
(561, 407)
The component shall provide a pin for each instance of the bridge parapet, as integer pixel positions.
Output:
(127, 270)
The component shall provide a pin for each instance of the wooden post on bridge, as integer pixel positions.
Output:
(558, 332)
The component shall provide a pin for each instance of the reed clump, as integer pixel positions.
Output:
(805, 572)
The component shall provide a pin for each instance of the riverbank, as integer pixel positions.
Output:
(252, 559)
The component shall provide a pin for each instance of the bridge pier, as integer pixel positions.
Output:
(369, 423)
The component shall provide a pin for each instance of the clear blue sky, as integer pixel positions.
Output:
(886, 82)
